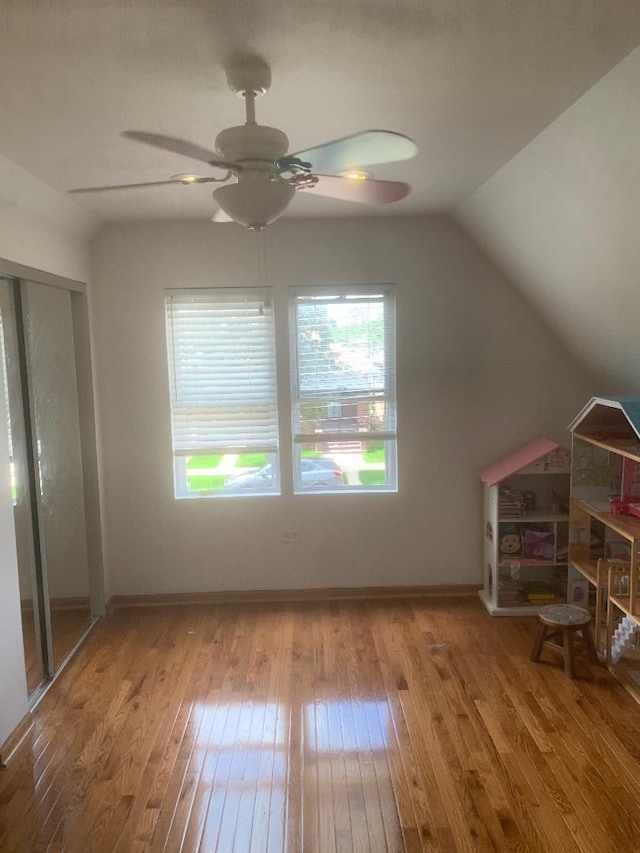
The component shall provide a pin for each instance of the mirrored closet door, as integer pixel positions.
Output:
(40, 376)
(31, 602)
(51, 372)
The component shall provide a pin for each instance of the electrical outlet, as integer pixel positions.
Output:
(291, 536)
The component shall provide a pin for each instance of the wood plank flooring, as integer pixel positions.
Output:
(68, 624)
(400, 725)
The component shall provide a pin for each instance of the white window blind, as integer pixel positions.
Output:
(222, 379)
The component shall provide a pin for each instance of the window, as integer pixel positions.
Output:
(222, 380)
(343, 388)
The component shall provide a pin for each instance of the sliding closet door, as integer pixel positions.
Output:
(17, 430)
(53, 389)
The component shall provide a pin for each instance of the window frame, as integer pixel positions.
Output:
(332, 294)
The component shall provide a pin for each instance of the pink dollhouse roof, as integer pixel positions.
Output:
(517, 460)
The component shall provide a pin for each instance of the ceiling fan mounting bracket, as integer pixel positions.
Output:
(248, 76)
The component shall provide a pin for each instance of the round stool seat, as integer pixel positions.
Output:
(564, 614)
(562, 622)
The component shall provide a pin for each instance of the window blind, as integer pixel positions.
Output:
(221, 356)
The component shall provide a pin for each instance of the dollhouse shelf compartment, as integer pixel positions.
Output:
(626, 526)
(630, 606)
(622, 447)
(537, 516)
(526, 525)
(587, 569)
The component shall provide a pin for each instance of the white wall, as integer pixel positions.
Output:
(478, 374)
(41, 228)
(561, 219)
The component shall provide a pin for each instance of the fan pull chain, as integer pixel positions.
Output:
(261, 251)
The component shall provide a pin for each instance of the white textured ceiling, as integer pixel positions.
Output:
(471, 82)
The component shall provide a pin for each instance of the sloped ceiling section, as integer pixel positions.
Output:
(562, 220)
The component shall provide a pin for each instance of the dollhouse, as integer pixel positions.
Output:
(526, 527)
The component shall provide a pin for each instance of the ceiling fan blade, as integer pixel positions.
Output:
(359, 149)
(186, 179)
(177, 146)
(363, 191)
(221, 216)
(122, 187)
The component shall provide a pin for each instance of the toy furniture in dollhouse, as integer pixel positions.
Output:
(604, 525)
(526, 529)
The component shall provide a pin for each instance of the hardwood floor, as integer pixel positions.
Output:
(368, 726)
(68, 624)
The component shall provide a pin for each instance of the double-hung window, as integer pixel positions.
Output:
(223, 390)
(222, 380)
(342, 344)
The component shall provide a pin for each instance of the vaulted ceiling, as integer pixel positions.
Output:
(526, 116)
(472, 82)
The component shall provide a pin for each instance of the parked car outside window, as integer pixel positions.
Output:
(317, 472)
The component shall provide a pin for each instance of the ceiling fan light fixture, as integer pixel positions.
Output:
(255, 204)
(188, 178)
(356, 174)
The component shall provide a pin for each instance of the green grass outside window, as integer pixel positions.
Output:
(375, 453)
(372, 478)
(204, 462)
(206, 482)
(251, 460)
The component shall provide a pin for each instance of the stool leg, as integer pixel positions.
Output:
(568, 652)
(587, 636)
(537, 645)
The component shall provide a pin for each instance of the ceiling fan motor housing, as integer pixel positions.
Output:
(251, 142)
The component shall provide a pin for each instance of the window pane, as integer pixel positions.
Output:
(316, 469)
(342, 345)
(227, 474)
(366, 465)
(346, 415)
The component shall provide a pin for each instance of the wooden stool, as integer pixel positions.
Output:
(563, 621)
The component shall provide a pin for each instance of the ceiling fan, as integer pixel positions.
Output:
(260, 178)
